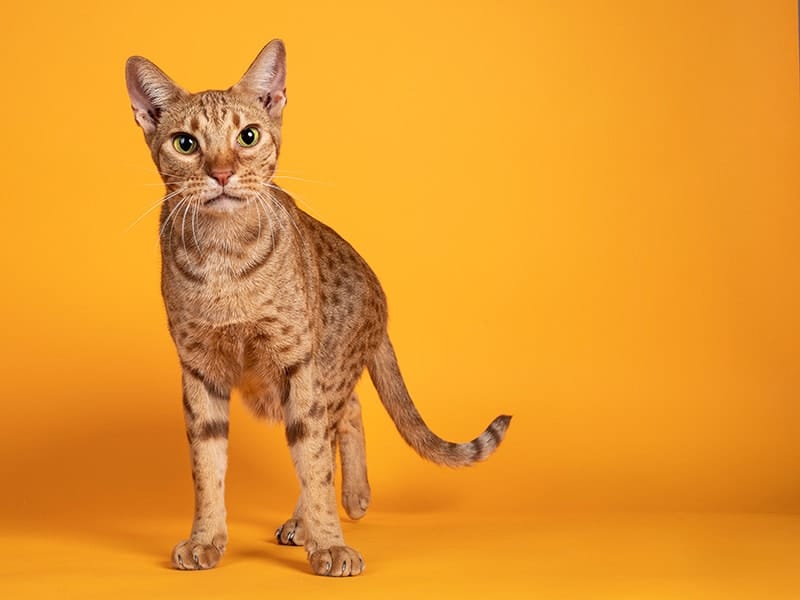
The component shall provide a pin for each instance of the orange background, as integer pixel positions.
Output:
(584, 214)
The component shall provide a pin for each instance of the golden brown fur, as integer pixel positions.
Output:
(262, 297)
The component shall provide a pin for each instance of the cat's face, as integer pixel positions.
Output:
(219, 149)
(216, 151)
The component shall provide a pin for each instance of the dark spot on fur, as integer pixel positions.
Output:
(292, 369)
(213, 429)
(295, 432)
(494, 434)
(477, 448)
(212, 387)
(317, 410)
(286, 392)
(187, 408)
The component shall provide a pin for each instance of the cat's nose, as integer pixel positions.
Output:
(222, 175)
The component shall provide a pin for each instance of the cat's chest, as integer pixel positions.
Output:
(221, 290)
(240, 354)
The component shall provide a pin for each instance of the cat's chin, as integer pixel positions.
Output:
(223, 203)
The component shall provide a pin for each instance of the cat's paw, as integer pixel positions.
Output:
(291, 533)
(336, 561)
(356, 501)
(193, 556)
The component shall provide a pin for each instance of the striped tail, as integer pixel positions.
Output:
(387, 379)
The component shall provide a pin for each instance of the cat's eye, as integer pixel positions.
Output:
(184, 143)
(248, 137)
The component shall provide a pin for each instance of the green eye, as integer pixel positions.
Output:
(248, 137)
(184, 143)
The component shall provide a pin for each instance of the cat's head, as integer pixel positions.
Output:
(217, 150)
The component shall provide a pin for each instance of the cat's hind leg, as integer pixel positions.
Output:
(355, 486)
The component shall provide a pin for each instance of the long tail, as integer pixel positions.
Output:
(387, 379)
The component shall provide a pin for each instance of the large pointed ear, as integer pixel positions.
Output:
(150, 90)
(266, 78)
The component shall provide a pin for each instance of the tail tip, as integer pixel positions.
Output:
(502, 422)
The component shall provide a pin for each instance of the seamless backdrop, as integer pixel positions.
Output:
(584, 214)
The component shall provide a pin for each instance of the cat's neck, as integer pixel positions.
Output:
(199, 236)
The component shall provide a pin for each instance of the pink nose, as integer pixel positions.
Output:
(222, 175)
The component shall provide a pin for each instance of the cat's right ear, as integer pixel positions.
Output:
(150, 91)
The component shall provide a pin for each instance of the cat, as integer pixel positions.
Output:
(262, 297)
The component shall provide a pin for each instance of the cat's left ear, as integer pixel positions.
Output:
(150, 90)
(266, 79)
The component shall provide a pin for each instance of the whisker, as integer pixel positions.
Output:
(306, 204)
(302, 179)
(169, 216)
(291, 220)
(258, 216)
(272, 222)
(151, 209)
(194, 230)
(173, 175)
(183, 223)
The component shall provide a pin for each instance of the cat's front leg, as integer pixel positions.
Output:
(205, 409)
(310, 445)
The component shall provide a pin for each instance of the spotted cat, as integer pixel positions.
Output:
(262, 297)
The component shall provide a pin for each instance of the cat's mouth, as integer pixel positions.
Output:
(223, 202)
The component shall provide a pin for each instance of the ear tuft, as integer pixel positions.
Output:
(266, 79)
(150, 91)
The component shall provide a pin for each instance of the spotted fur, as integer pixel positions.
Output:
(264, 298)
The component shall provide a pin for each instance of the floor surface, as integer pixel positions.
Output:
(445, 555)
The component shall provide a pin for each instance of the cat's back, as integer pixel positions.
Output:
(352, 304)
(343, 272)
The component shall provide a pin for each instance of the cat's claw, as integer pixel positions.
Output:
(291, 533)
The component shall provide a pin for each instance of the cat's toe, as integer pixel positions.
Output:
(356, 501)
(192, 556)
(336, 561)
(291, 533)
